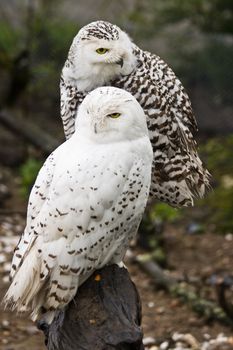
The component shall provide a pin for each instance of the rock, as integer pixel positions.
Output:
(149, 341)
(194, 228)
(164, 345)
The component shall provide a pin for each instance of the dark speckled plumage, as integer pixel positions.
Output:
(178, 174)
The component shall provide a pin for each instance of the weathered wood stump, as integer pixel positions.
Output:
(105, 314)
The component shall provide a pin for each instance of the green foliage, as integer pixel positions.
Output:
(212, 66)
(49, 46)
(9, 39)
(10, 44)
(52, 38)
(47, 38)
(164, 213)
(28, 173)
(154, 219)
(218, 153)
(221, 204)
(151, 229)
(208, 15)
(199, 47)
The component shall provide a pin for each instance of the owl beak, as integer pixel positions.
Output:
(120, 62)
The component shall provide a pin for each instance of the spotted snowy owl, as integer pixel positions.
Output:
(86, 204)
(102, 54)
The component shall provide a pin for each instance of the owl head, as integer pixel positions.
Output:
(99, 53)
(109, 114)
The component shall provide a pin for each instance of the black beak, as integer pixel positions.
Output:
(120, 62)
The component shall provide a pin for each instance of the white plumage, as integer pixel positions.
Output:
(86, 204)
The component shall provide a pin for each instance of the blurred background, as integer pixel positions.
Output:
(192, 247)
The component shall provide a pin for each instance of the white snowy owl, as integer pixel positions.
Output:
(102, 54)
(86, 204)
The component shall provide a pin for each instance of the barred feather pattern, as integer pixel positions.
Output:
(178, 175)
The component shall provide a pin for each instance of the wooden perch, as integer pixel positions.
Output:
(160, 278)
(29, 131)
(104, 315)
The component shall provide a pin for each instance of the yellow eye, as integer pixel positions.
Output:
(102, 50)
(114, 115)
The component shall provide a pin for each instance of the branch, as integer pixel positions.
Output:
(29, 131)
(160, 278)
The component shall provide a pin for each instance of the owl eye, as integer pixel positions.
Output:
(114, 115)
(102, 50)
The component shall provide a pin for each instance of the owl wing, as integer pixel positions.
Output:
(178, 174)
(172, 89)
(182, 173)
(176, 98)
(37, 199)
(70, 100)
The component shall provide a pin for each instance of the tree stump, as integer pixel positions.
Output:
(104, 315)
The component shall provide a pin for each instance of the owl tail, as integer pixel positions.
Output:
(26, 284)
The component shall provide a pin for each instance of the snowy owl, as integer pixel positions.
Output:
(102, 54)
(86, 204)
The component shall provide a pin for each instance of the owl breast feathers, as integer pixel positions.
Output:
(86, 204)
(178, 175)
